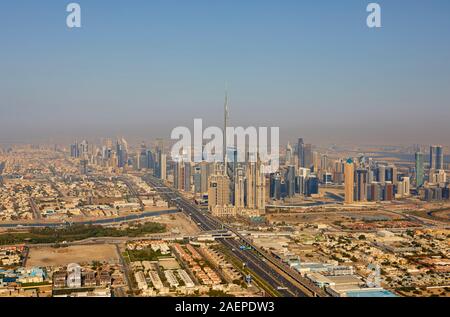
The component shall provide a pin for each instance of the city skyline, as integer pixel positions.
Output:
(313, 70)
(220, 155)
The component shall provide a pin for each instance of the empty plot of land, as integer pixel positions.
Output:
(48, 256)
(177, 223)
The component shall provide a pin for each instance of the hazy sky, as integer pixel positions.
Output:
(312, 67)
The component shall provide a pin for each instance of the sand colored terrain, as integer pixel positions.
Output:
(48, 256)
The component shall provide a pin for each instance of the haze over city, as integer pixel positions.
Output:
(313, 69)
(224, 155)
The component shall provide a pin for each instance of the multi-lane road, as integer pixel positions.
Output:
(275, 274)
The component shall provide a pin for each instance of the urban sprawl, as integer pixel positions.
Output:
(111, 219)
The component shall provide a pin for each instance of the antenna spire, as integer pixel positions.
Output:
(225, 129)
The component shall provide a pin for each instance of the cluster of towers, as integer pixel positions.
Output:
(373, 182)
(432, 185)
(117, 156)
(231, 188)
(378, 182)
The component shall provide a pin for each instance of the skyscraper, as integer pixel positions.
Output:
(239, 189)
(178, 174)
(349, 178)
(436, 157)
(301, 153)
(75, 150)
(289, 158)
(204, 175)
(260, 189)
(251, 185)
(381, 174)
(187, 177)
(290, 181)
(275, 186)
(163, 166)
(307, 156)
(419, 169)
(218, 192)
(361, 184)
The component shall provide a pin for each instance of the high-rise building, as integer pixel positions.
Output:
(197, 178)
(436, 157)
(178, 174)
(260, 189)
(361, 184)
(419, 169)
(375, 192)
(251, 185)
(388, 192)
(163, 166)
(218, 192)
(275, 186)
(84, 149)
(324, 163)
(312, 185)
(391, 174)
(121, 154)
(290, 181)
(381, 175)
(316, 161)
(187, 177)
(239, 189)
(75, 150)
(349, 178)
(406, 185)
(204, 174)
(289, 155)
(308, 156)
(301, 153)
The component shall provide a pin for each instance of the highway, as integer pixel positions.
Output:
(35, 209)
(277, 275)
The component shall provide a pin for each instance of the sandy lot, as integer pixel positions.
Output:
(47, 256)
(179, 222)
(176, 223)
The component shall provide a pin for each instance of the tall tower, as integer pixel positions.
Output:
(361, 184)
(307, 156)
(301, 153)
(218, 191)
(251, 185)
(239, 196)
(419, 169)
(349, 178)
(288, 159)
(260, 198)
(225, 124)
(436, 157)
(163, 166)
